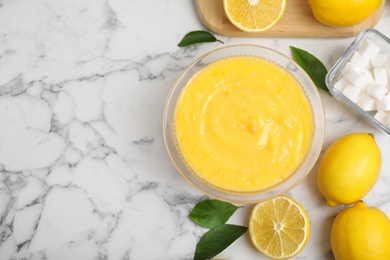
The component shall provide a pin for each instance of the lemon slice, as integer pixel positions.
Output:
(279, 228)
(254, 15)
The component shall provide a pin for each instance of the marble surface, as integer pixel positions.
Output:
(84, 173)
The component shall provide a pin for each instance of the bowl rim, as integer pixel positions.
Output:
(319, 119)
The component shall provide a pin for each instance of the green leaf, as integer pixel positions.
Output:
(217, 239)
(197, 37)
(212, 213)
(313, 67)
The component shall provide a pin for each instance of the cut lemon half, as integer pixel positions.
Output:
(279, 228)
(254, 15)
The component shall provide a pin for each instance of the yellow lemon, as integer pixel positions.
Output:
(254, 15)
(343, 13)
(279, 228)
(349, 169)
(361, 233)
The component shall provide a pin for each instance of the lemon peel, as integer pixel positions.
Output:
(343, 13)
(349, 169)
(360, 232)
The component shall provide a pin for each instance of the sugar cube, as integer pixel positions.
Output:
(369, 49)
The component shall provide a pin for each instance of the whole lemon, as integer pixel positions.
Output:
(343, 12)
(360, 232)
(349, 169)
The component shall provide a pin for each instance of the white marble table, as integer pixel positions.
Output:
(84, 174)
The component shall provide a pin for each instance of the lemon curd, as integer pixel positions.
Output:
(243, 124)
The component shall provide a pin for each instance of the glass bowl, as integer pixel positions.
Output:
(266, 54)
(336, 83)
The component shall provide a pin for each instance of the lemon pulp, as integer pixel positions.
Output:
(254, 15)
(279, 228)
(243, 124)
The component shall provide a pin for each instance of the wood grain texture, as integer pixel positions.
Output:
(297, 21)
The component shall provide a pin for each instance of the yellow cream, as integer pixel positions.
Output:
(243, 124)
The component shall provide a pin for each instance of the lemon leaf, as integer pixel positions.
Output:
(217, 239)
(197, 37)
(313, 67)
(212, 213)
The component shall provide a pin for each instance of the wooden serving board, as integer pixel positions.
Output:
(297, 21)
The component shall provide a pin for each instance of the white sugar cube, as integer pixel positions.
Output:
(366, 80)
(361, 80)
(352, 92)
(381, 116)
(384, 103)
(369, 49)
(379, 60)
(358, 79)
(340, 84)
(380, 75)
(351, 75)
(349, 65)
(366, 103)
(377, 91)
(387, 66)
(360, 60)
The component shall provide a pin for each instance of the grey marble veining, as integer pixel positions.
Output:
(84, 173)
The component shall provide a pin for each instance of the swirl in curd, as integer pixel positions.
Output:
(243, 124)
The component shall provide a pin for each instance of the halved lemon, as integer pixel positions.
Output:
(254, 15)
(279, 228)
